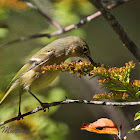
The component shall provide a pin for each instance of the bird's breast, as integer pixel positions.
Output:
(43, 80)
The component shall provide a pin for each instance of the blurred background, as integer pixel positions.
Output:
(64, 122)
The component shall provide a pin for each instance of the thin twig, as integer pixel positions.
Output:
(65, 29)
(129, 134)
(117, 28)
(51, 20)
(119, 136)
(69, 101)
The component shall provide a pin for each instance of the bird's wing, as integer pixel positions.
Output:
(33, 63)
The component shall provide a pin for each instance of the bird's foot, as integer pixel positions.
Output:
(44, 106)
(19, 116)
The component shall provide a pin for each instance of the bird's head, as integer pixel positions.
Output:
(78, 48)
(71, 46)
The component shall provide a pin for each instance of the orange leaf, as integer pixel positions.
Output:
(101, 126)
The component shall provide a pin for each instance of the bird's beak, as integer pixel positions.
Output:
(90, 59)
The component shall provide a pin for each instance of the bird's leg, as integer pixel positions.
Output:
(19, 112)
(43, 105)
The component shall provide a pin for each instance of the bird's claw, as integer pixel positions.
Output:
(19, 116)
(43, 105)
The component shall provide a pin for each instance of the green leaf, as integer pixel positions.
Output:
(121, 89)
(138, 94)
(137, 128)
(115, 87)
(108, 85)
(127, 79)
(131, 130)
(137, 116)
(92, 77)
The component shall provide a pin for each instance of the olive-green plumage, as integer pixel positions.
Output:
(30, 77)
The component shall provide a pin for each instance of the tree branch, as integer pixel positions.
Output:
(69, 101)
(117, 28)
(51, 20)
(65, 29)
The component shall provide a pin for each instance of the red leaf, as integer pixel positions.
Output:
(101, 126)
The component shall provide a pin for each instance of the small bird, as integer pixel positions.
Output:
(30, 76)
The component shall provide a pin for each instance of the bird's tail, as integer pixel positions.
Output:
(7, 93)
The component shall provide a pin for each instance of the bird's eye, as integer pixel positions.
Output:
(85, 50)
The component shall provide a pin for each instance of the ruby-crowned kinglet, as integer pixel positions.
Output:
(30, 77)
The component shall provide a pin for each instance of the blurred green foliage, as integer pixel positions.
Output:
(23, 22)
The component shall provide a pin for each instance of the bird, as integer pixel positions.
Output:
(30, 77)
